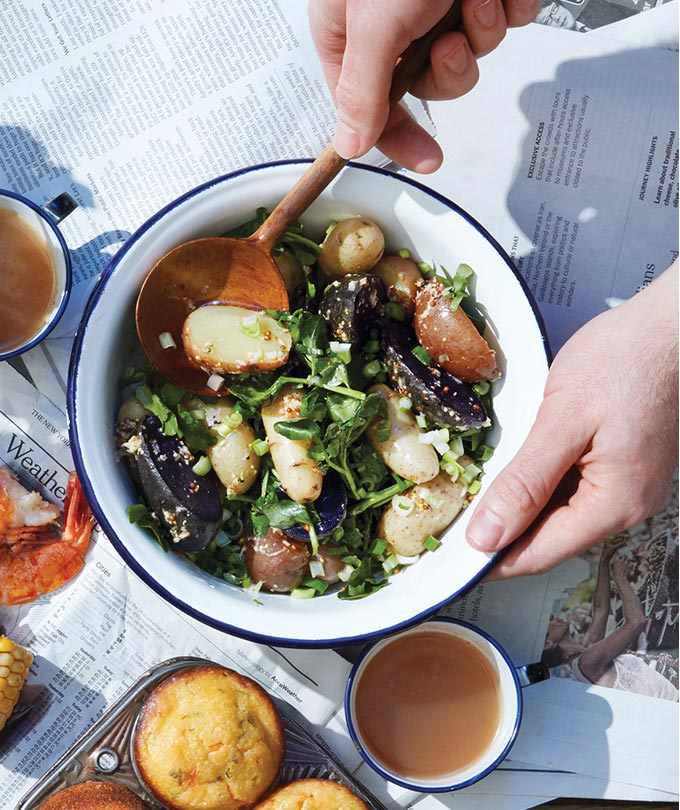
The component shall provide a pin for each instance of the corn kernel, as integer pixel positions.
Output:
(14, 665)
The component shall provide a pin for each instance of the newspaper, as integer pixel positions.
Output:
(587, 15)
(109, 112)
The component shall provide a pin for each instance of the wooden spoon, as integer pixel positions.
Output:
(242, 272)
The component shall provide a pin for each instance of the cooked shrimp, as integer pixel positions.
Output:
(36, 554)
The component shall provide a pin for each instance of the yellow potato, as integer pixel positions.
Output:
(233, 459)
(299, 474)
(435, 505)
(403, 451)
(355, 245)
(232, 340)
(401, 277)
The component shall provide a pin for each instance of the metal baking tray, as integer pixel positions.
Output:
(103, 752)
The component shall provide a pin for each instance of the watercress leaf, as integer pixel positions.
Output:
(284, 514)
(341, 408)
(171, 394)
(297, 429)
(196, 433)
(152, 402)
(139, 515)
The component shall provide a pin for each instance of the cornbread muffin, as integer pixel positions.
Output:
(209, 738)
(94, 796)
(313, 794)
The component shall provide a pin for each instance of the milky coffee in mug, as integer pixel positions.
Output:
(34, 270)
(437, 707)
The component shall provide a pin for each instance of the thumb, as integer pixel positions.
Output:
(517, 496)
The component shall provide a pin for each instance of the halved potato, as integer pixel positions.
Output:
(450, 337)
(232, 340)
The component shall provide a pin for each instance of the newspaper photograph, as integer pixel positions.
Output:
(587, 15)
(619, 627)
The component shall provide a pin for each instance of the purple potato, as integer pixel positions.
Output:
(438, 395)
(351, 305)
(186, 504)
(331, 506)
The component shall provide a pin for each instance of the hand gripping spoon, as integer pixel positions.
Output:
(242, 272)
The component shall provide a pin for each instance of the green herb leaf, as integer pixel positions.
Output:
(297, 429)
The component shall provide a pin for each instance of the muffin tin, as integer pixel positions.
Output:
(103, 752)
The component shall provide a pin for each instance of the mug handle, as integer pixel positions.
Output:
(61, 206)
(532, 673)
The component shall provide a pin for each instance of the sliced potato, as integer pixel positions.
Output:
(450, 337)
(434, 506)
(300, 475)
(355, 245)
(232, 340)
(233, 459)
(401, 277)
(402, 451)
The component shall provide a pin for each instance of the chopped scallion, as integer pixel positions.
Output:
(431, 543)
(303, 593)
(395, 311)
(404, 253)
(405, 403)
(474, 486)
(378, 547)
(250, 325)
(422, 354)
(202, 466)
(215, 382)
(484, 452)
(402, 505)
(167, 341)
(260, 447)
(371, 369)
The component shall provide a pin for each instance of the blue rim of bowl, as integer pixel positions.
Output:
(351, 680)
(42, 334)
(72, 397)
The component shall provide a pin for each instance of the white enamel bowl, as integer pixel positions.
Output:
(413, 217)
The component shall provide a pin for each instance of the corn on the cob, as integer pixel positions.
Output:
(14, 665)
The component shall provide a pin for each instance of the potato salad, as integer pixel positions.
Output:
(345, 434)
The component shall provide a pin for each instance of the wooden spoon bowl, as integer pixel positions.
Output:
(242, 272)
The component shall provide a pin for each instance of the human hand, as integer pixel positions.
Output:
(601, 454)
(358, 44)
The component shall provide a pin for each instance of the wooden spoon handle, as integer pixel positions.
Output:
(328, 165)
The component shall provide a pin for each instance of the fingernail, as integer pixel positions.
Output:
(486, 13)
(458, 58)
(485, 531)
(346, 141)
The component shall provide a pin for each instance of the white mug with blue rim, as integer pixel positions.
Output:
(19, 214)
(437, 707)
